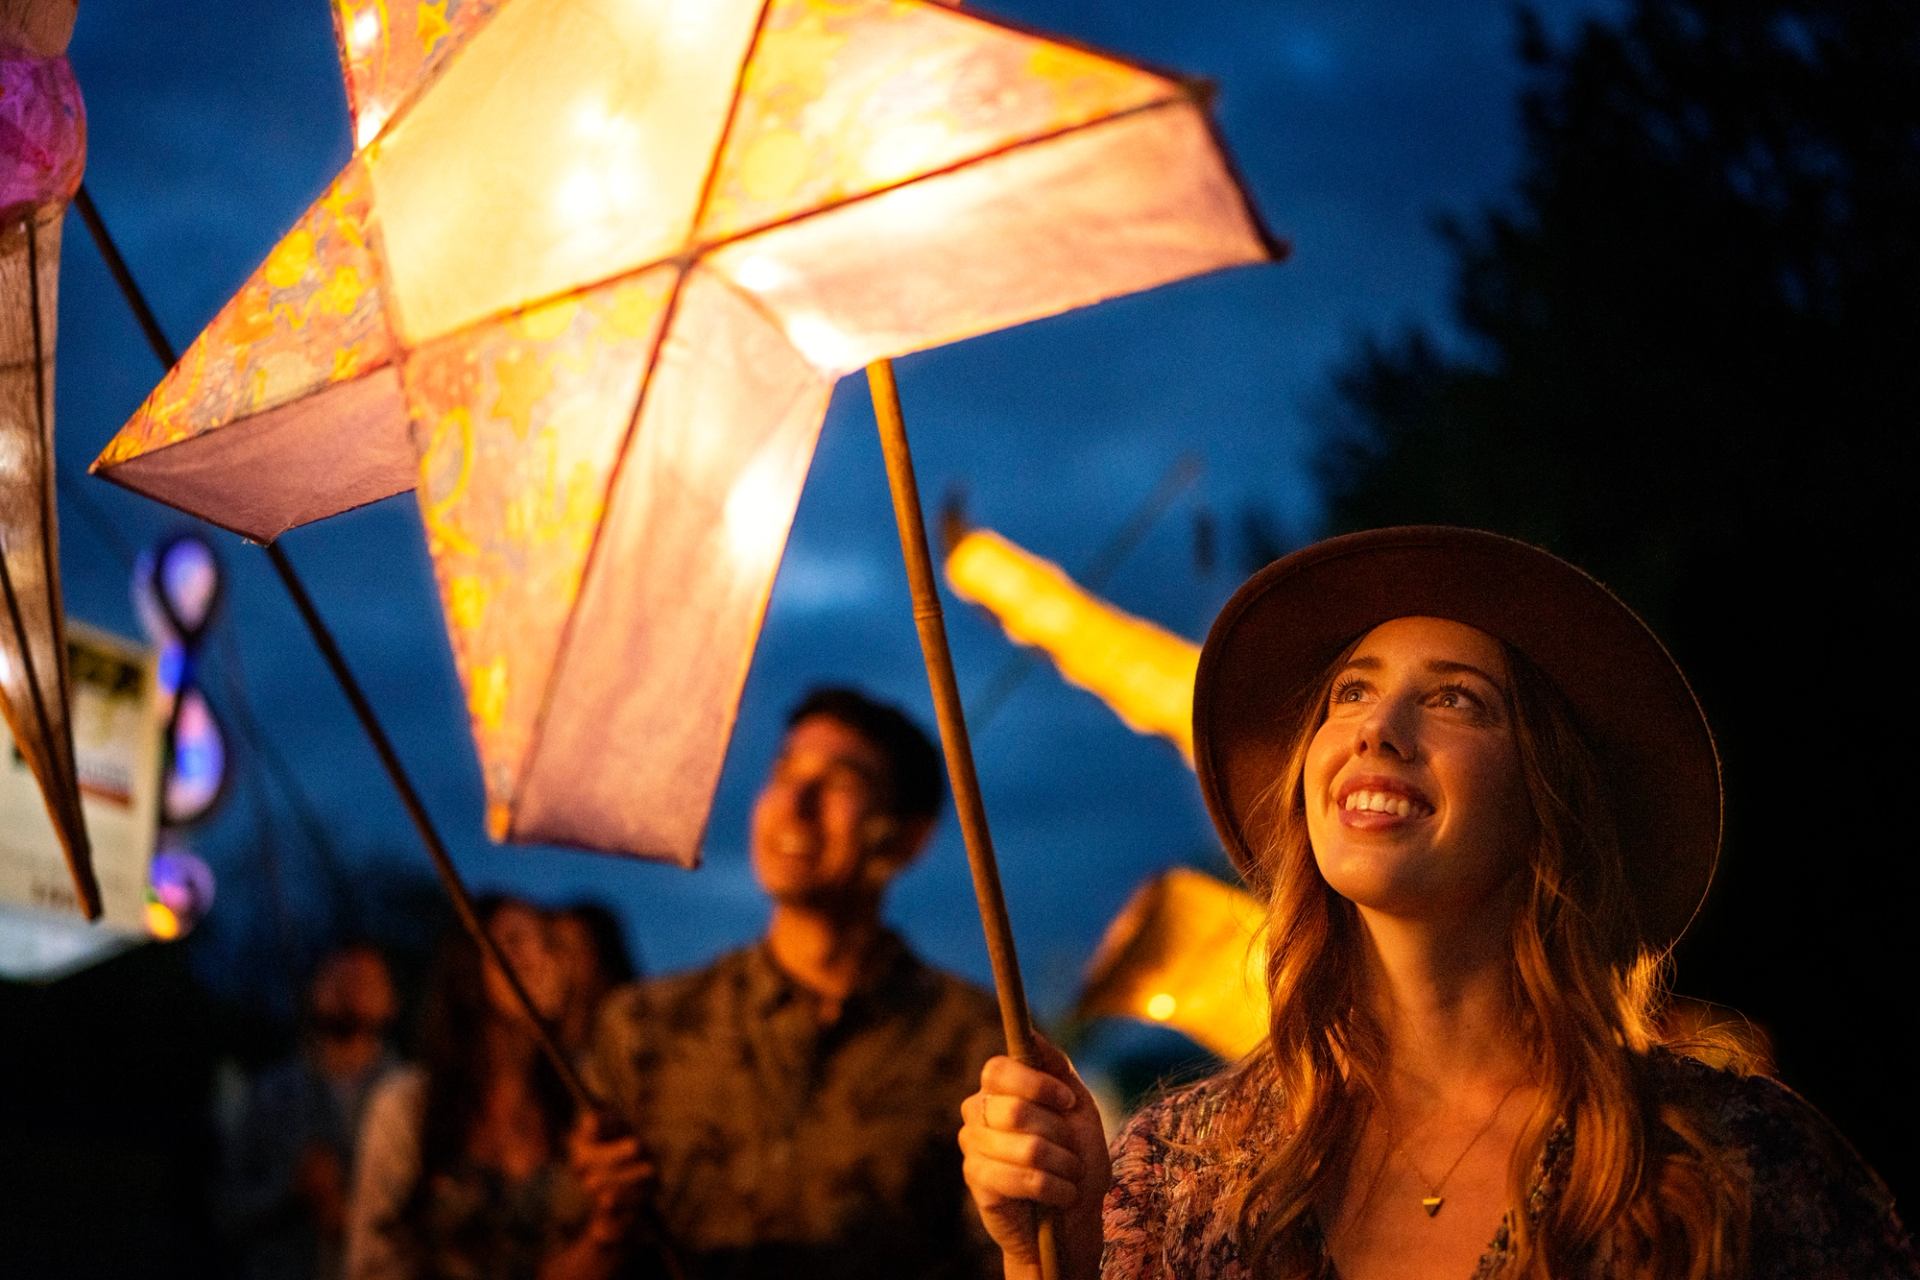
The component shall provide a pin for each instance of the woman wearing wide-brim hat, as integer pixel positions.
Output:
(1482, 804)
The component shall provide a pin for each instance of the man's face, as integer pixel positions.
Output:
(823, 829)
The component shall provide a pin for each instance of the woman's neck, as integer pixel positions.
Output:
(1444, 1001)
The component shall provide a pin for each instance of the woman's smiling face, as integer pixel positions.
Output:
(1415, 802)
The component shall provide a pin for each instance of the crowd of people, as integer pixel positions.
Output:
(341, 1145)
(1481, 804)
(788, 1110)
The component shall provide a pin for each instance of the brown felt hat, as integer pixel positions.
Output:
(1272, 644)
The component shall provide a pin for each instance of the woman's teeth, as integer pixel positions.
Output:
(1386, 802)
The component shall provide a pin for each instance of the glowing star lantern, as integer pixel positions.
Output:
(586, 285)
(1142, 671)
(42, 150)
(1184, 952)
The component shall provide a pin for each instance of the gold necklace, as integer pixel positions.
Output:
(1432, 1201)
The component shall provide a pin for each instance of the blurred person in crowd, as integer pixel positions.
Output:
(462, 1170)
(293, 1151)
(595, 960)
(798, 1099)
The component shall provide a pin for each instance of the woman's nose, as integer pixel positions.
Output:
(1387, 730)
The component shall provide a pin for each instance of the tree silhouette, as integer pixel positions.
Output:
(1688, 362)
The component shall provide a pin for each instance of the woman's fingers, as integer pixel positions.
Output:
(1033, 1136)
(1003, 1076)
(994, 1182)
(1000, 1113)
(1023, 1148)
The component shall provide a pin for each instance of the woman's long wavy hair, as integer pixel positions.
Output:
(1644, 1190)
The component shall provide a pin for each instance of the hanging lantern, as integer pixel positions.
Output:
(42, 151)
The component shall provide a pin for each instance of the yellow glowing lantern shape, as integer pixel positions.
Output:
(1142, 671)
(585, 286)
(42, 151)
(1184, 952)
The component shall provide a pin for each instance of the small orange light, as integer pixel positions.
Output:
(162, 923)
(1160, 1006)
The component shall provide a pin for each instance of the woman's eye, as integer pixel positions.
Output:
(1348, 691)
(1457, 697)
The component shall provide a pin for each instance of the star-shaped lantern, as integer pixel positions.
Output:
(42, 150)
(586, 285)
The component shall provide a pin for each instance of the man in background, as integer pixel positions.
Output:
(797, 1100)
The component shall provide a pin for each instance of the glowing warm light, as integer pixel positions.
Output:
(364, 30)
(587, 294)
(1143, 672)
(820, 340)
(1184, 952)
(754, 515)
(757, 274)
(162, 923)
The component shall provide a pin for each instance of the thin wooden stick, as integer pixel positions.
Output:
(1015, 1018)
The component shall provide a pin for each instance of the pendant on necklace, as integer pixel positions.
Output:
(1432, 1204)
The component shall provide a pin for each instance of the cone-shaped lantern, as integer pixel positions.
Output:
(42, 150)
(1186, 952)
(586, 285)
(1142, 671)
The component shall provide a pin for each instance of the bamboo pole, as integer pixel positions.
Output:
(1015, 1018)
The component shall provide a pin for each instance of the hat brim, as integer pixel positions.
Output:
(1272, 645)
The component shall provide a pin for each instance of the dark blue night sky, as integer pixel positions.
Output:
(214, 124)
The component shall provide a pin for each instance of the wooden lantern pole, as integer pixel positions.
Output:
(1015, 1018)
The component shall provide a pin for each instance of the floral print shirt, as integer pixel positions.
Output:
(1818, 1212)
(788, 1148)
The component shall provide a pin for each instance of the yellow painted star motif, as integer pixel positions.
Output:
(599, 265)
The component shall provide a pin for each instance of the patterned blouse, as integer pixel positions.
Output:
(1819, 1213)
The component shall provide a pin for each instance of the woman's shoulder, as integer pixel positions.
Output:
(1235, 1102)
(1751, 1115)
(1167, 1209)
(1809, 1190)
